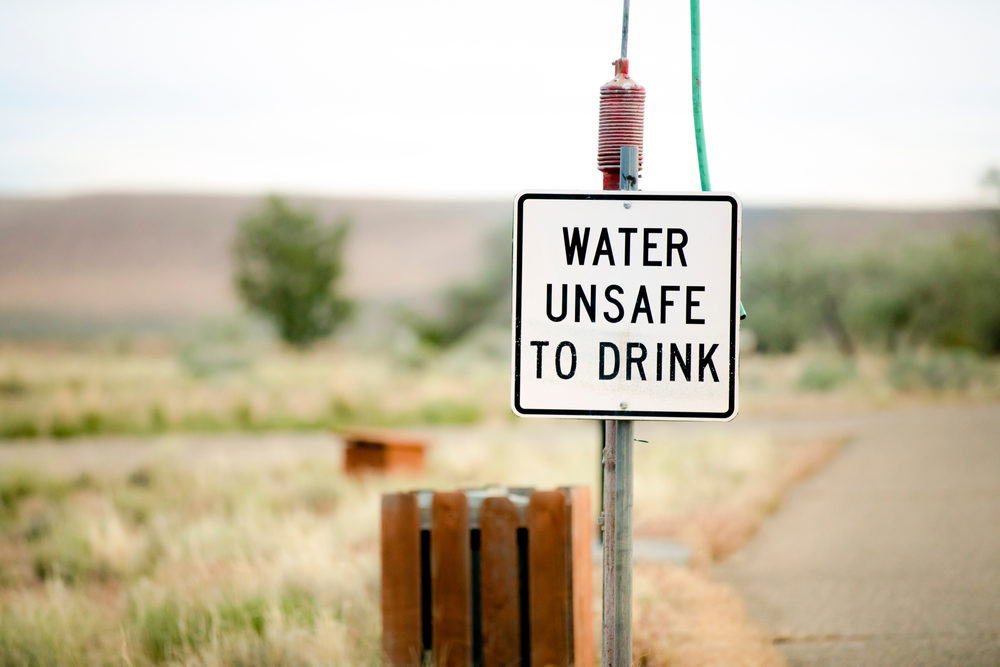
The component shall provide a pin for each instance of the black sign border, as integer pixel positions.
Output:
(620, 195)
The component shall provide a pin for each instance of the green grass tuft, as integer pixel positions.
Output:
(65, 554)
(246, 615)
(298, 606)
(442, 412)
(169, 629)
(15, 486)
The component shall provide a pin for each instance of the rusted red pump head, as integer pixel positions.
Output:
(623, 103)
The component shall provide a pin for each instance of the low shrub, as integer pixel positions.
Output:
(826, 374)
(940, 370)
(12, 386)
(19, 427)
(298, 606)
(66, 554)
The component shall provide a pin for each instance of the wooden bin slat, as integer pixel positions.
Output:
(400, 553)
(581, 524)
(549, 592)
(498, 524)
(451, 601)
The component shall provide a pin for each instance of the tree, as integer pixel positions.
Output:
(288, 268)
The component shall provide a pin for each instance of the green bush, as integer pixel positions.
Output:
(796, 294)
(19, 427)
(67, 555)
(825, 374)
(63, 427)
(91, 422)
(775, 332)
(289, 268)
(940, 293)
(15, 486)
(939, 370)
(12, 386)
(943, 294)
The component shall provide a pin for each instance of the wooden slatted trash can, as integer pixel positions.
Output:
(487, 577)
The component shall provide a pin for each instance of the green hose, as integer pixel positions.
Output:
(699, 122)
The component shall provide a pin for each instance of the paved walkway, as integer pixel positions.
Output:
(890, 555)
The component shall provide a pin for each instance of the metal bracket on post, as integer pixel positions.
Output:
(616, 627)
(628, 172)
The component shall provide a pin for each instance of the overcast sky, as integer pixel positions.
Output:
(882, 102)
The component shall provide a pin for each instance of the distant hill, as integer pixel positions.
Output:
(91, 263)
(143, 261)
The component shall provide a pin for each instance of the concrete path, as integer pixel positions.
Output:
(890, 555)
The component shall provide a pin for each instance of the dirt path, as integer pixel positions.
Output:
(891, 555)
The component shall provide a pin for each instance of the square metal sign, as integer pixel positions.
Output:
(626, 305)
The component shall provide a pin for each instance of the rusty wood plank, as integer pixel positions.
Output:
(581, 536)
(400, 554)
(549, 578)
(499, 583)
(451, 594)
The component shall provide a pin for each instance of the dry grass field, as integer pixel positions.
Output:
(60, 391)
(176, 544)
(238, 559)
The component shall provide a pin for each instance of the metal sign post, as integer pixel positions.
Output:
(616, 625)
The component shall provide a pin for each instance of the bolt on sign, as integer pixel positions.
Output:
(626, 305)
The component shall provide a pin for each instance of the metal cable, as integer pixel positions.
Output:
(625, 31)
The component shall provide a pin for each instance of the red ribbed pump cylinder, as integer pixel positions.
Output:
(623, 104)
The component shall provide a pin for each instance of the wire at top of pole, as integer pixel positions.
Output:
(625, 32)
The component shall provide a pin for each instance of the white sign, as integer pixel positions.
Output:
(626, 305)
